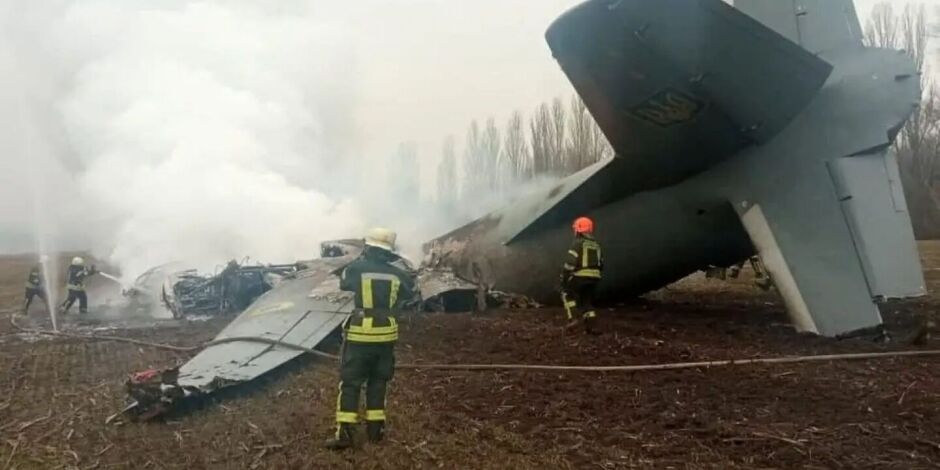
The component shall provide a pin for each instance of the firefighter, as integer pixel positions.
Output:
(581, 274)
(35, 285)
(76, 285)
(368, 358)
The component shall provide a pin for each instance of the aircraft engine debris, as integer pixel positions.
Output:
(232, 290)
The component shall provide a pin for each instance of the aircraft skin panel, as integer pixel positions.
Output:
(288, 313)
(682, 84)
(817, 25)
(803, 237)
(771, 255)
(875, 208)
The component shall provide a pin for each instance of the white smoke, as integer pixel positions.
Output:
(206, 131)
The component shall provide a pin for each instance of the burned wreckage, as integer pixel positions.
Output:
(187, 293)
(299, 304)
(763, 128)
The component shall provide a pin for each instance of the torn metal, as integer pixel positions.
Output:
(303, 310)
(230, 291)
(299, 304)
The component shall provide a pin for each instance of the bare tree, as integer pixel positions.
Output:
(882, 28)
(474, 166)
(447, 174)
(579, 145)
(586, 142)
(540, 129)
(559, 117)
(516, 157)
(918, 145)
(601, 147)
(491, 148)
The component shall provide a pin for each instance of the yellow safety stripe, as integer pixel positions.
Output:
(367, 333)
(585, 250)
(592, 273)
(590, 314)
(375, 415)
(75, 287)
(569, 267)
(393, 294)
(367, 338)
(344, 417)
(569, 304)
(367, 301)
(373, 330)
(573, 253)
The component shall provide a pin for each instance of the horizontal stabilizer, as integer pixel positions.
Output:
(683, 84)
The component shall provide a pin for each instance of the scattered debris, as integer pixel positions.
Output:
(297, 304)
(289, 312)
(232, 290)
(513, 301)
(155, 392)
(443, 291)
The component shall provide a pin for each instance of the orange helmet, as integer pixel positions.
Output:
(583, 225)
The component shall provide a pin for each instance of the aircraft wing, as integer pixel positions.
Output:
(680, 85)
(301, 311)
(817, 25)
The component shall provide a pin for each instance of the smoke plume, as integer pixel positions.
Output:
(201, 131)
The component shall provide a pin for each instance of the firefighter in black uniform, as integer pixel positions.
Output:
(381, 289)
(581, 274)
(76, 285)
(35, 286)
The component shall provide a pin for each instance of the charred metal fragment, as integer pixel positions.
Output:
(232, 290)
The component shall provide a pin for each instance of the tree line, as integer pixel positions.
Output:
(557, 140)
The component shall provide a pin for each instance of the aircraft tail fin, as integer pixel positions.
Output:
(817, 25)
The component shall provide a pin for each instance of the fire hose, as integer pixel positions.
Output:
(496, 367)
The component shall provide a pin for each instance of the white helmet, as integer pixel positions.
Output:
(78, 261)
(381, 238)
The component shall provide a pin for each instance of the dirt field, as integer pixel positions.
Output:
(56, 395)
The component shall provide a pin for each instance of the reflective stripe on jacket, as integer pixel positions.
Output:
(364, 328)
(585, 258)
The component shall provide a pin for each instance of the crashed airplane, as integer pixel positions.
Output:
(766, 127)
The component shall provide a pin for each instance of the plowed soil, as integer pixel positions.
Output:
(55, 395)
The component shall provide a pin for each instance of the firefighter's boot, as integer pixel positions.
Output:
(590, 325)
(343, 439)
(376, 431)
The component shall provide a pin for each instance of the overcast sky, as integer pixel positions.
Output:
(412, 70)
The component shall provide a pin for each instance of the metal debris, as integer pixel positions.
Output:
(232, 290)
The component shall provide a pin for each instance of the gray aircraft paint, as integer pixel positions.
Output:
(728, 136)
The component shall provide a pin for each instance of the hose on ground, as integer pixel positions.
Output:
(498, 367)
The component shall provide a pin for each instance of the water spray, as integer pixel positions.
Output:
(46, 266)
(124, 287)
(42, 224)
